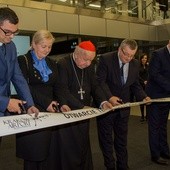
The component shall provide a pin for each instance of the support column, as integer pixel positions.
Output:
(149, 9)
(140, 9)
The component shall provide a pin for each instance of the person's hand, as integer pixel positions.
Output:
(106, 106)
(65, 108)
(114, 100)
(53, 107)
(147, 99)
(14, 105)
(33, 110)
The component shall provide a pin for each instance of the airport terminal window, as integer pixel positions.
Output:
(63, 47)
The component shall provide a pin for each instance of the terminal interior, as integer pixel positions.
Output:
(106, 23)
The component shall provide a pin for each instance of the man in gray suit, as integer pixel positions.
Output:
(118, 74)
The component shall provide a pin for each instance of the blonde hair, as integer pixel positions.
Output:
(41, 35)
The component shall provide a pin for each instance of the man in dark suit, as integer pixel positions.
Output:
(119, 84)
(158, 87)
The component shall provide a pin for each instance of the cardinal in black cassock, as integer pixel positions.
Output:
(77, 88)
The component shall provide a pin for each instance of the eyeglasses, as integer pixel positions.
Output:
(126, 54)
(8, 33)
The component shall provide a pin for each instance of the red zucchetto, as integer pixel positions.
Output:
(87, 45)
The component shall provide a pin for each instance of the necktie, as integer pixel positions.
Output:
(122, 74)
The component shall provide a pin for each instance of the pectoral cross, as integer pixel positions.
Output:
(81, 92)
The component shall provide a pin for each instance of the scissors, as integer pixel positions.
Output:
(56, 108)
(23, 110)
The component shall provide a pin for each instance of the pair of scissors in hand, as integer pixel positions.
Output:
(23, 110)
(56, 108)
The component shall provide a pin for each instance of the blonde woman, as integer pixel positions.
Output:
(41, 75)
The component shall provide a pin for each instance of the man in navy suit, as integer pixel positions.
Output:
(9, 68)
(158, 86)
(119, 86)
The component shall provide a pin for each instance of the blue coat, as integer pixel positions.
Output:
(10, 72)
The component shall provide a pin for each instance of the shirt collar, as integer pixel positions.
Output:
(120, 62)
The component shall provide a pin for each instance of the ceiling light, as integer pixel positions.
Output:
(95, 6)
(62, 0)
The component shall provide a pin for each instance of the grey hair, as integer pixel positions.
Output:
(132, 44)
(80, 52)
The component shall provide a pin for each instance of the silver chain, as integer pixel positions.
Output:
(82, 76)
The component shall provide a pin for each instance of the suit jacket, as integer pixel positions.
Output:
(108, 74)
(158, 85)
(10, 72)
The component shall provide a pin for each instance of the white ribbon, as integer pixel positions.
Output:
(22, 123)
